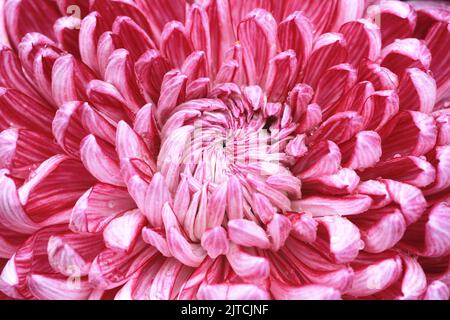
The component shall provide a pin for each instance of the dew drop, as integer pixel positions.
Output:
(111, 204)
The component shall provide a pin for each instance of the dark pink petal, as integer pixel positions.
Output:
(304, 227)
(232, 292)
(428, 236)
(150, 70)
(406, 53)
(382, 78)
(330, 49)
(362, 151)
(339, 128)
(215, 242)
(133, 38)
(155, 198)
(111, 269)
(234, 199)
(173, 92)
(385, 106)
(411, 286)
(132, 152)
(412, 170)
(381, 229)
(71, 254)
(377, 190)
(47, 178)
(278, 230)
(221, 31)
(67, 30)
(397, 20)
(22, 150)
(340, 237)
(67, 127)
(334, 83)
(20, 111)
(299, 98)
(358, 99)
(107, 44)
(282, 73)
(257, 34)
(440, 33)
(323, 159)
(441, 161)
(109, 10)
(175, 46)
(108, 101)
(52, 288)
(160, 12)
(296, 33)
(344, 181)
(23, 16)
(417, 91)
(408, 133)
(363, 41)
(12, 75)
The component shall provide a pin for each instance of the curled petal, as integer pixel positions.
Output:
(122, 232)
(257, 34)
(397, 20)
(247, 233)
(320, 206)
(417, 91)
(248, 266)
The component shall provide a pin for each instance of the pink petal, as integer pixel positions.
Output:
(248, 266)
(150, 70)
(409, 198)
(120, 73)
(215, 242)
(329, 50)
(296, 33)
(363, 40)
(363, 151)
(248, 234)
(381, 229)
(98, 206)
(133, 38)
(437, 290)
(175, 45)
(122, 232)
(320, 206)
(374, 274)
(408, 133)
(397, 20)
(257, 34)
(417, 91)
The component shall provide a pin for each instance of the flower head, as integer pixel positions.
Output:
(225, 149)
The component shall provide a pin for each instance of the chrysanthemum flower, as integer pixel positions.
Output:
(225, 149)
